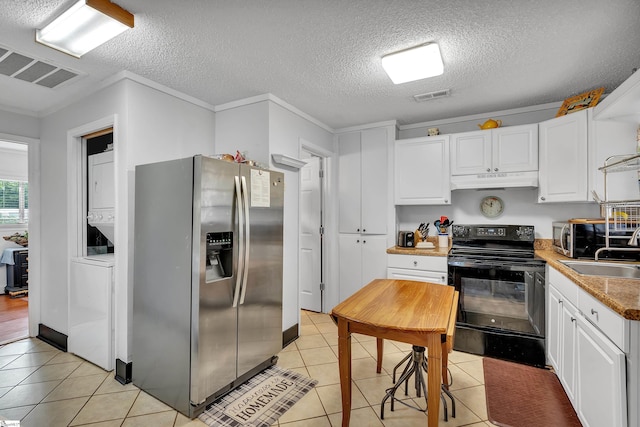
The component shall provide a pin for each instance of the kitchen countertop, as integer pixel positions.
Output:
(437, 251)
(620, 295)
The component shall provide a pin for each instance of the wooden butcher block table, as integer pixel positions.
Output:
(416, 313)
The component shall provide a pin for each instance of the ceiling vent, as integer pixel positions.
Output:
(432, 95)
(25, 68)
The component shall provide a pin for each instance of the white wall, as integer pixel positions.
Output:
(520, 208)
(52, 292)
(521, 116)
(19, 124)
(244, 128)
(286, 130)
(150, 125)
(262, 126)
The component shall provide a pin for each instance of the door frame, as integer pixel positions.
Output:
(328, 217)
(33, 226)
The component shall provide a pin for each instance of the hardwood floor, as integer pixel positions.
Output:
(14, 318)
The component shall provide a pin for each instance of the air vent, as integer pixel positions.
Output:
(31, 70)
(432, 95)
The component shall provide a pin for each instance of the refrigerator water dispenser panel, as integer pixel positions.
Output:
(219, 256)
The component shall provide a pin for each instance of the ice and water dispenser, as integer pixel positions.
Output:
(219, 255)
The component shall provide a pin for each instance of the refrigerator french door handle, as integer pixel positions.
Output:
(239, 207)
(245, 194)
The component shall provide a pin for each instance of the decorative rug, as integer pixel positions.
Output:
(525, 396)
(260, 401)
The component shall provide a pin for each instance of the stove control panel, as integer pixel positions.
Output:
(524, 233)
(491, 232)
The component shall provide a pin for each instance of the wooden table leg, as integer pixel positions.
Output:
(380, 346)
(434, 375)
(344, 362)
(445, 365)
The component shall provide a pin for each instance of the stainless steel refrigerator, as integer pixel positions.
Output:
(207, 291)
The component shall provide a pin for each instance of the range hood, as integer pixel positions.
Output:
(495, 180)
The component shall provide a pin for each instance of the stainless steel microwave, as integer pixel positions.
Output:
(582, 239)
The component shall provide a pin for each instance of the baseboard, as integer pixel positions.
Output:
(52, 337)
(290, 335)
(123, 372)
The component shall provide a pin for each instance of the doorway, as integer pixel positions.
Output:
(14, 241)
(312, 230)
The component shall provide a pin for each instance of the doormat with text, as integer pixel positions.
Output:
(260, 401)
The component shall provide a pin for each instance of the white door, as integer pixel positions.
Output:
(601, 374)
(515, 148)
(563, 159)
(310, 236)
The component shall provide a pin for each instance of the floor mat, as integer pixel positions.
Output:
(523, 396)
(260, 401)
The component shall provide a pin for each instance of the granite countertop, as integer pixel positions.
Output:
(437, 251)
(620, 295)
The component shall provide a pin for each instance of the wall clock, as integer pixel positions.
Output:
(491, 206)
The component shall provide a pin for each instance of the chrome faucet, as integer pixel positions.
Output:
(633, 241)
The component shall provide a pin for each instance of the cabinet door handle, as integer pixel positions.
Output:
(594, 312)
(542, 198)
(488, 169)
(358, 230)
(496, 169)
(358, 241)
(573, 319)
(364, 241)
(364, 230)
(415, 263)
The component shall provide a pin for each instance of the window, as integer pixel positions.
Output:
(14, 202)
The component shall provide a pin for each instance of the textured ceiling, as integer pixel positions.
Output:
(323, 56)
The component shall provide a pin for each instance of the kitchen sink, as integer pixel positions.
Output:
(605, 269)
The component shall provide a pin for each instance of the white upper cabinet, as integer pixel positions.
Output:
(563, 169)
(363, 181)
(508, 149)
(515, 148)
(471, 153)
(421, 169)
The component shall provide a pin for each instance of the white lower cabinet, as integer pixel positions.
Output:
(590, 366)
(602, 391)
(417, 267)
(362, 258)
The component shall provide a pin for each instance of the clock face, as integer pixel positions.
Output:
(491, 206)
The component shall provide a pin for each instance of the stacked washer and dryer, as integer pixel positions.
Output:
(91, 323)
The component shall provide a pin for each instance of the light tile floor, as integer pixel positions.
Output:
(42, 386)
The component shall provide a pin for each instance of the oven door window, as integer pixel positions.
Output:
(498, 298)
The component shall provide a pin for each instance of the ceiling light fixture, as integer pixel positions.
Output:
(84, 26)
(415, 63)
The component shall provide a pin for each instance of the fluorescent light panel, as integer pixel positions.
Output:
(412, 64)
(84, 26)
